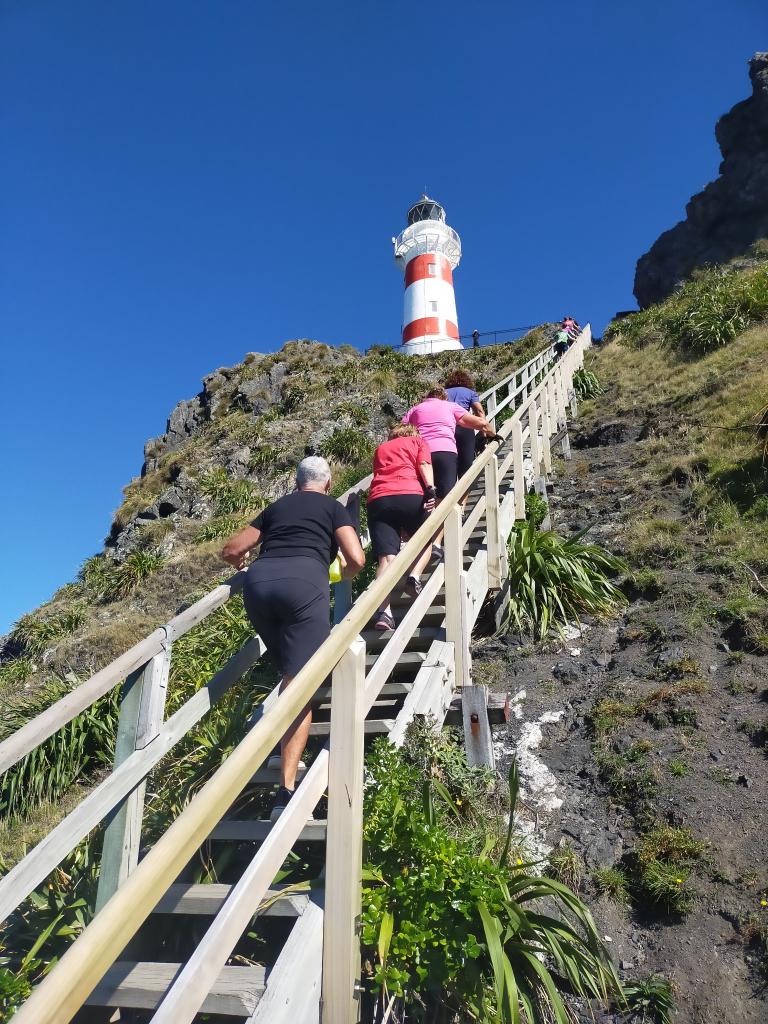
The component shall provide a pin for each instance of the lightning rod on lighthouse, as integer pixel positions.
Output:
(428, 251)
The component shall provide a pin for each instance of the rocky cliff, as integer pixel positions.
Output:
(724, 220)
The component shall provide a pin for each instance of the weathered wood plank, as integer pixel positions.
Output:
(301, 957)
(141, 716)
(207, 900)
(344, 841)
(477, 732)
(141, 986)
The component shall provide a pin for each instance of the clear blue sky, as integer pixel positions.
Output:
(185, 181)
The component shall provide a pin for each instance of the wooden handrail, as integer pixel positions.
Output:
(68, 985)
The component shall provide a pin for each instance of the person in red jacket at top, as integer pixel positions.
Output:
(401, 496)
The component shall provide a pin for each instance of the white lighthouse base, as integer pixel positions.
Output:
(429, 346)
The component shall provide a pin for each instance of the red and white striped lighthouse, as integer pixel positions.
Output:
(428, 251)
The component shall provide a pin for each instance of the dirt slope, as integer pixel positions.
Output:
(654, 719)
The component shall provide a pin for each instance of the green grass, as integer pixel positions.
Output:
(220, 527)
(708, 312)
(613, 883)
(229, 496)
(565, 865)
(348, 445)
(34, 634)
(666, 856)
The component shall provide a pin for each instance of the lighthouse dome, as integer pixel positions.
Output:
(426, 209)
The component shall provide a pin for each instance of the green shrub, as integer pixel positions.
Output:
(612, 882)
(80, 748)
(123, 578)
(220, 527)
(229, 496)
(15, 671)
(536, 509)
(496, 948)
(356, 412)
(708, 311)
(650, 1000)
(586, 385)
(554, 579)
(46, 924)
(35, 634)
(348, 445)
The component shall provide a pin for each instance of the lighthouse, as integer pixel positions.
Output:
(428, 251)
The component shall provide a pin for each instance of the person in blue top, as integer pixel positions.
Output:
(461, 390)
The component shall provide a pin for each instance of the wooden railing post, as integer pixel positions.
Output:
(142, 708)
(457, 629)
(533, 436)
(344, 842)
(546, 428)
(496, 566)
(518, 473)
(490, 411)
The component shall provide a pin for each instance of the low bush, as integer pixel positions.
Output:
(536, 509)
(504, 945)
(348, 445)
(708, 311)
(229, 496)
(650, 1000)
(80, 748)
(555, 579)
(121, 579)
(34, 634)
(220, 527)
(586, 385)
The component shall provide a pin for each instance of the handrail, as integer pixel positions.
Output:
(44, 725)
(68, 985)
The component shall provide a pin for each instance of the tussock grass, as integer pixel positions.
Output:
(555, 579)
(708, 312)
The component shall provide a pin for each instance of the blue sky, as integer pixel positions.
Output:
(185, 181)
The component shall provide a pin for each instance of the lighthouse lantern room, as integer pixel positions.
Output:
(428, 251)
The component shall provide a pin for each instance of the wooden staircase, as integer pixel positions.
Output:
(178, 932)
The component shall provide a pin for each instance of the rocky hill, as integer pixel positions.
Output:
(724, 220)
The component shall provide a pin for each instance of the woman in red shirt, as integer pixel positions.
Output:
(402, 494)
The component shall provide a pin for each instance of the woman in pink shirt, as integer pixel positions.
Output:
(436, 419)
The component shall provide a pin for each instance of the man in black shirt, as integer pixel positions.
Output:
(287, 593)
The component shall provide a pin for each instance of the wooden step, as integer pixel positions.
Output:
(141, 986)
(407, 660)
(372, 727)
(234, 830)
(207, 900)
(422, 637)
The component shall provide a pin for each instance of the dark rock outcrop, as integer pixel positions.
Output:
(731, 213)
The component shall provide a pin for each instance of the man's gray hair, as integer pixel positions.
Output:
(312, 470)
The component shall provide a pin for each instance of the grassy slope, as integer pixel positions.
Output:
(700, 414)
